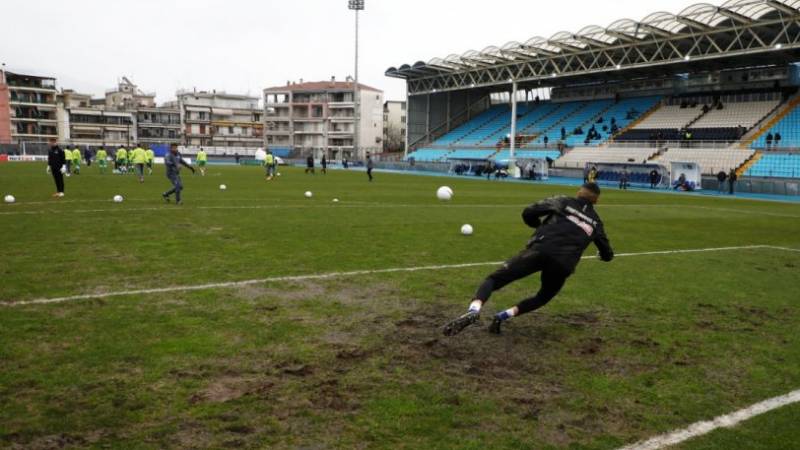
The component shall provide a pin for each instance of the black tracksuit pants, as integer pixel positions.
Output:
(528, 262)
(58, 177)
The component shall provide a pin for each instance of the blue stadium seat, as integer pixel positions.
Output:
(776, 166)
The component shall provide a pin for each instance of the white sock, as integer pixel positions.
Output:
(475, 306)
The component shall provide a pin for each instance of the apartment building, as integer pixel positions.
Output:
(319, 118)
(128, 97)
(158, 126)
(218, 119)
(83, 123)
(27, 108)
(394, 126)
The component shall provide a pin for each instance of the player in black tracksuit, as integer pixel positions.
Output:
(564, 228)
(56, 159)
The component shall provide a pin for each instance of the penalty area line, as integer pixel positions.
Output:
(330, 275)
(726, 421)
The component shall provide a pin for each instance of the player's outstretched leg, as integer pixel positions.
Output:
(520, 266)
(552, 282)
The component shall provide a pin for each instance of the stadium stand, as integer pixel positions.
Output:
(471, 154)
(578, 157)
(710, 160)
(480, 133)
(428, 155)
(584, 117)
(541, 127)
(789, 130)
(534, 115)
(776, 165)
(471, 125)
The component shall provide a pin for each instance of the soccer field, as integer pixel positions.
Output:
(257, 318)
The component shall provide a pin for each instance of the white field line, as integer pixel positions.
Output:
(705, 427)
(325, 276)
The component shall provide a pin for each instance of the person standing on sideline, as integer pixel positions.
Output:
(121, 159)
(269, 165)
(370, 166)
(324, 164)
(173, 162)
(55, 161)
(721, 177)
(202, 159)
(732, 177)
(87, 155)
(310, 164)
(565, 226)
(102, 159)
(345, 163)
(139, 159)
(623, 179)
(654, 178)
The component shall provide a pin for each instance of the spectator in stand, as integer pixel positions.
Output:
(769, 140)
(732, 177)
(563, 134)
(654, 178)
(778, 138)
(546, 140)
(706, 109)
(721, 177)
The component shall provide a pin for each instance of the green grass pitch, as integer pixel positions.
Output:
(628, 350)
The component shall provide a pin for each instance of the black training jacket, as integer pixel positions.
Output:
(564, 228)
(55, 157)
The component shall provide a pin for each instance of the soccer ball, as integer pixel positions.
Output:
(466, 230)
(222, 187)
(308, 194)
(118, 199)
(63, 169)
(336, 200)
(279, 174)
(444, 194)
(10, 199)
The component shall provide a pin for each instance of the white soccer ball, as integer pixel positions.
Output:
(118, 199)
(279, 174)
(444, 194)
(63, 169)
(336, 200)
(467, 230)
(222, 187)
(308, 194)
(9, 199)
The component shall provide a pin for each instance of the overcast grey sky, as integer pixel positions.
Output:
(244, 46)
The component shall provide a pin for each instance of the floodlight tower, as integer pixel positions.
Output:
(356, 5)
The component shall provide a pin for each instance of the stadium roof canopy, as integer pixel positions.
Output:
(739, 33)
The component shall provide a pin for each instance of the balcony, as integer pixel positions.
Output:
(341, 105)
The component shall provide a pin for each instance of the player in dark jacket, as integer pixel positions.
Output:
(564, 228)
(55, 160)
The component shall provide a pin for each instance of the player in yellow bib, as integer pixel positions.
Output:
(121, 160)
(269, 166)
(202, 160)
(138, 158)
(102, 159)
(151, 158)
